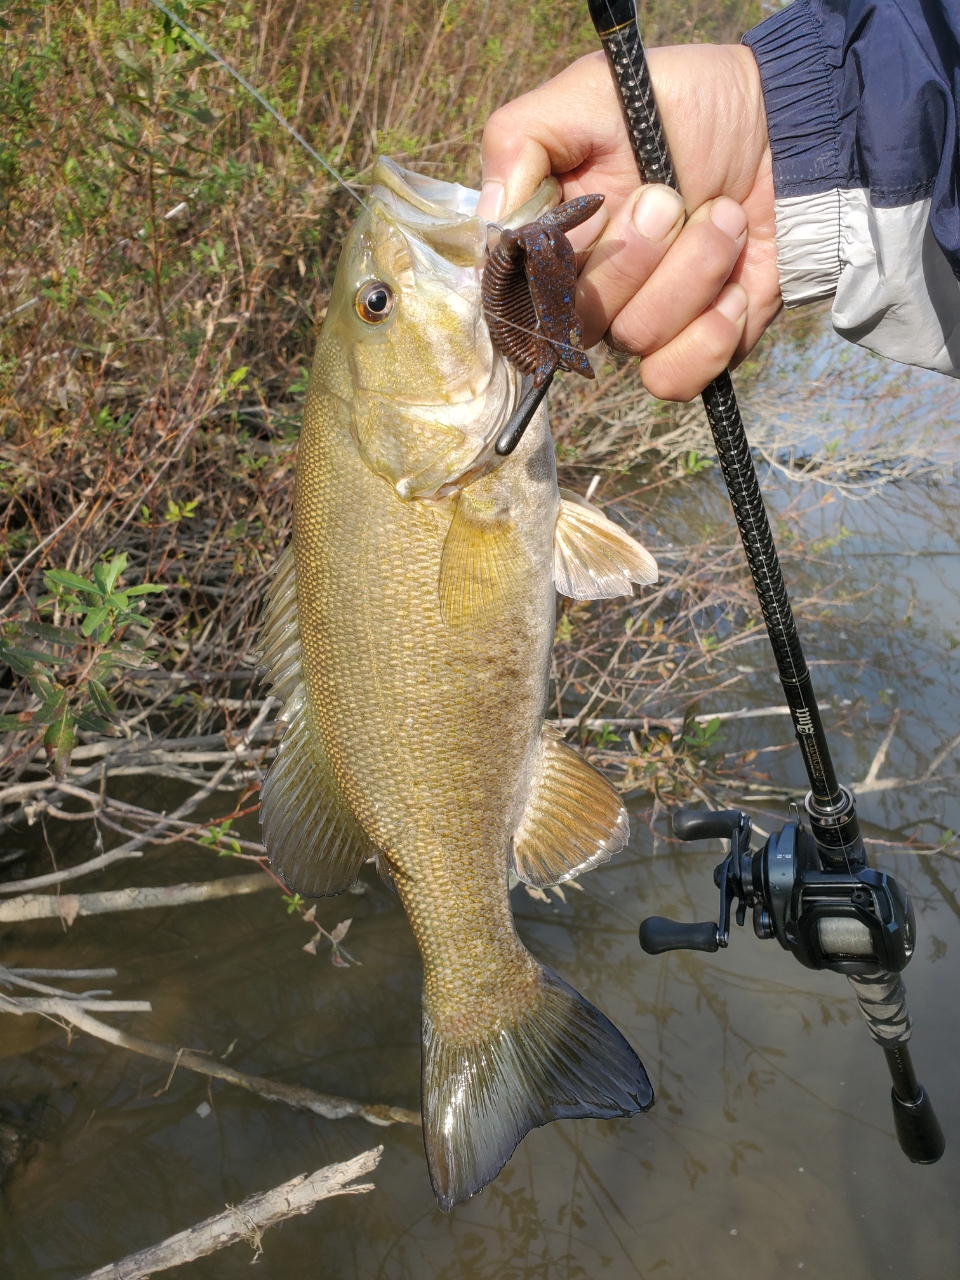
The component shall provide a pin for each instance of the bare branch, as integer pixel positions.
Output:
(296, 1096)
(43, 906)
(247, 1221)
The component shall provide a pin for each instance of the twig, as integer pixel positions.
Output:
(55, 1004)
(941, 755)
(51, 537)
(294, 1095)
(247, 1221)
(668, 722)
(42, 906)
(68, 873)
(131, 847)
(877, 763)
(24, 306)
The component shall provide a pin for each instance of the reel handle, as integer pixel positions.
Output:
(706, 824)
(658, 934)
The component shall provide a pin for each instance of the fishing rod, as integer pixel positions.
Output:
(808, 887)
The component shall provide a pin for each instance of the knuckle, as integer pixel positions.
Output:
(635, 329)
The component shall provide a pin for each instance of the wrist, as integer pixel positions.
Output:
(803, 126)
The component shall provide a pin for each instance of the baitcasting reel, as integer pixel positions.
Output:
(856, 921)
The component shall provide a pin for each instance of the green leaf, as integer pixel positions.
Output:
(22, 660)
(95, 618)
(238, 375)
(92, 723)
(145, 588)
(58, 742)
(42, 688)
(63, 578)
(23, 666)
(113, 570)
(56, 635)
(102, 700)
(10, 724)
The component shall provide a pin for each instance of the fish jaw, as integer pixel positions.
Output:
(428, 393)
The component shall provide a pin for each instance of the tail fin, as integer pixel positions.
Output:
(563, 1061)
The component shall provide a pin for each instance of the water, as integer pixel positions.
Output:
(770, 1150)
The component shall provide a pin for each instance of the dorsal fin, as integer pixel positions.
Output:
(312, 838)
(594, 559)
(574, 818)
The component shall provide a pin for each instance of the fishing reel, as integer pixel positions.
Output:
(855, 921)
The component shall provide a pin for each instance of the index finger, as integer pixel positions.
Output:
(570, 126)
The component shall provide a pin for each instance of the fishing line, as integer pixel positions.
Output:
(260, 98)
(534, 333)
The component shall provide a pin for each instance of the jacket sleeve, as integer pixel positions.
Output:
(861, 99)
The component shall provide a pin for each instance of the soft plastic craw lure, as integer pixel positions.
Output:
(529, 296)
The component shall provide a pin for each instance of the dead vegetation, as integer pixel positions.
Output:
(167, 252)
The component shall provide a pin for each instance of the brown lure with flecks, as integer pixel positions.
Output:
(529, 293)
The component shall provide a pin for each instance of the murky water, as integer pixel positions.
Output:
(770, 1150)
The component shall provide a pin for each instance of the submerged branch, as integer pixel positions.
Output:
(294, 1095)
(247, 1221)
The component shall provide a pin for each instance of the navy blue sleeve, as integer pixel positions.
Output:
(861, 99)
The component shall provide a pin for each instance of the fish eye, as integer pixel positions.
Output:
(374, 301)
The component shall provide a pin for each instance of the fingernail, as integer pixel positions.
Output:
(656, 212)
(729, 217)
(732, 303)
(490, 204)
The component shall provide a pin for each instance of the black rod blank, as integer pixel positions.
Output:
(830, 807)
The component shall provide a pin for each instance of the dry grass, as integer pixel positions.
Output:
(167, 253)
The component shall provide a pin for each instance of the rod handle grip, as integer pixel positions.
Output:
(918, 1129)
(658, 934)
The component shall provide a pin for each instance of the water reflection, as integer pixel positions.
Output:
(771, 1148)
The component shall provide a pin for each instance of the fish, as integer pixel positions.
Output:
(408, 634)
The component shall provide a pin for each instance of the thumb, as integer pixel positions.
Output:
(513, 168)
(573, 118)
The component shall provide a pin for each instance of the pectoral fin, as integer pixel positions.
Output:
(311, 836)
(593, 558)
(482, 565)
(574, 818)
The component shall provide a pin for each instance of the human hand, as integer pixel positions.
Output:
(692, 297)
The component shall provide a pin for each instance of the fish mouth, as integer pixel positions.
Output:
(449, 242)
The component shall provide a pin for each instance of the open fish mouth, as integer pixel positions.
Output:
(428, 420)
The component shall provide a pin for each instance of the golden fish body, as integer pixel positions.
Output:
(409, 634)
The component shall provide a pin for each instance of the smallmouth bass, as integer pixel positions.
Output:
(409, 633)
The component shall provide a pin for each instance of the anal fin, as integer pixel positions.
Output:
(594, 559)
(574, 818)
(311, 836)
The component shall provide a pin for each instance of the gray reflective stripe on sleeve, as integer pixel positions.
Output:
(893, 289)
(808, 247)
